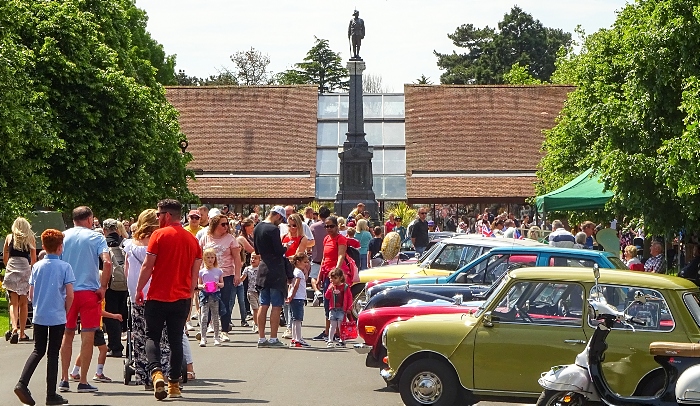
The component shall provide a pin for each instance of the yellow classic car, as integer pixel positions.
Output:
(537, 318)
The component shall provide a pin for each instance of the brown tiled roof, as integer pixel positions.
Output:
(430, 189)
(252, 129)
(477, 129)
(269, 189)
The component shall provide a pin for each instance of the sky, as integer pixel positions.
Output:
(401, 35)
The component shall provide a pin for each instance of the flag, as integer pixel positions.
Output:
(486, 231)
(517, 235)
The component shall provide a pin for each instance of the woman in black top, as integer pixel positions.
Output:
(19, 254)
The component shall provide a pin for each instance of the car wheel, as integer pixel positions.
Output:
(428, 382)
(556, 398)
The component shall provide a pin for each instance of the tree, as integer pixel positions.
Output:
(520, 75)
(97, 127)
(373, 84)
(423, 80)
(149, 49)
(251, 68)
(321, 66)
(635, 115)
(520, 39)
(182, 79)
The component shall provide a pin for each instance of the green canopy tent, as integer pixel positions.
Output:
(583, 193)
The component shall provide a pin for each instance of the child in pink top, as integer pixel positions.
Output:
(339, 298)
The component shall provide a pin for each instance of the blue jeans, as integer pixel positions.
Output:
(227, 300)
(363, 262)
(238, 292)
(420, 251)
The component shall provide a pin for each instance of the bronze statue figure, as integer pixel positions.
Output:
(356, 32)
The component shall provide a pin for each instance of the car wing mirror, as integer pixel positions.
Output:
(458, 299)
(489, 319)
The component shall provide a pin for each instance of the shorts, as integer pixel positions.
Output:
(272, 297)
(296, 307)
(315, 270)
(336, 314)
(254, 300)
(87, 305)
(99, 338)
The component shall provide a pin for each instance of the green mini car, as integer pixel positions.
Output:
(535, 319)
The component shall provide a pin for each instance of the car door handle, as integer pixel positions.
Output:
(575, 341)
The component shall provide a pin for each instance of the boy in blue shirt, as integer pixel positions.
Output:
(51, 293)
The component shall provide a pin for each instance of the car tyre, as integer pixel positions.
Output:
(429, 382)
(554, 398)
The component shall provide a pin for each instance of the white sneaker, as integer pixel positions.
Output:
(255, 328)
(189, 326)
(224, 337)
(203, 342)
(210, 329)
(195, 316)
(217, 343)
(287, 333)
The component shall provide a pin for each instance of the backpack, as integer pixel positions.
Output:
(118, 280)
(352, 261)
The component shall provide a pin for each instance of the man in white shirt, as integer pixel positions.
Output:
(560, 237)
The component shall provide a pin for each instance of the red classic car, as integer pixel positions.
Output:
(372, 322)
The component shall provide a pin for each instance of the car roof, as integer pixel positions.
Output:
(607, 276)
(480, 240)
(552, 250)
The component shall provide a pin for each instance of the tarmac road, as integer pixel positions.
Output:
(236, 373)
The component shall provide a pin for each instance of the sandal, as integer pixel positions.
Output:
(14, 339)
(191, 376)
(25, 338)
(8, 334)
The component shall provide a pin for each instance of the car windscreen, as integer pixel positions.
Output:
(617, 262)
(493, 295)
(430, 255)
(692, 302)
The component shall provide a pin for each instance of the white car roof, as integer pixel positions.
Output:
(480, 240)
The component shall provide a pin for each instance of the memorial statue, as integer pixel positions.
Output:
(356, 32)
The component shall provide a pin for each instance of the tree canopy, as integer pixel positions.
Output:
(321, 66)
(635, 114)
(83, 116)
(490, 53)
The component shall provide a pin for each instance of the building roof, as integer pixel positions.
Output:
(477, 141)
(248, 131)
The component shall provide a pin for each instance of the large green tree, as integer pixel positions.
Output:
(490, 53)
(321, 66)
(635, 114)
(96, 125)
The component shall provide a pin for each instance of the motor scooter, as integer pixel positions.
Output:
(583, 381)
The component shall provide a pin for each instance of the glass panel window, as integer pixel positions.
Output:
(394, 161)
(394, 187)
(394, 134)
(327, 135)
(378, 185)
(394, 106)
(327, 162)
(494, 266)
(372, 106)
(571, 262)
(558, 304)
(654, 312)
(326, 187)
(378, 162)
(373, 133)
(328, 106)
(343, 132)
(344, 106)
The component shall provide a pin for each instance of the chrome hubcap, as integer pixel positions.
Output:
(426, 388)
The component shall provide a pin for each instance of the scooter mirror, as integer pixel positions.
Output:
(596, 272)
(640, 297)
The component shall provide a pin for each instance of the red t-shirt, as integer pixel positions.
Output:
(330, 254)
(352, 242)
(389, 226)
(292, 248)
(175, 249)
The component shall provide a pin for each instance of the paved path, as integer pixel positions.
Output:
(236, 373)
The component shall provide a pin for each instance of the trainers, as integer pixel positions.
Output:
(63, 386)
(321, 337)
(101, 378)
(23, 394)
(210, 329)
(86, 387)
(203, 342)
(217, 343)
(189, 326)
(174, 389)
(159, 384)
(249, 316)
(263, 344)
(287, 333)
(56, 399)
(123, 336)
(330, 344)
(276, 344)
(148, 387)
(245, 324)
(340, 344)
(194, 316)
(255, 328)
(74, 378)
(224, 337)
(303, 344)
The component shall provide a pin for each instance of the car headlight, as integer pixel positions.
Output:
(384, 333)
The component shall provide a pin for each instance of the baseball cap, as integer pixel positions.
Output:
(351, 223)
(194, 213)
(431, 223)
(279, 210)
(397, 218)
(110, 224)
(214, 212)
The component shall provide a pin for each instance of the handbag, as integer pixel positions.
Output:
(348, 330)
(352, 273)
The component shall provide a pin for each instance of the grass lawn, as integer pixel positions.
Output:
(4, 314)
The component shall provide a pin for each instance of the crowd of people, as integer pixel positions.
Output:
(100, 274)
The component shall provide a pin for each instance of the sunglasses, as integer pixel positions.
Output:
(158, 213)
(195, 217)
(224, 224)
(330, 225)
(422, 213)
(293, 225)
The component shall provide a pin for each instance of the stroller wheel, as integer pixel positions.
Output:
(184, 371)
(128, 373)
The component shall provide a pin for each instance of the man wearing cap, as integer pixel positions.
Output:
(193, 225)
(356, 32)
(419, 232)
(273, 273)
(399, 229)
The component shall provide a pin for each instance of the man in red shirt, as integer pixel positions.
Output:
(172, 265)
